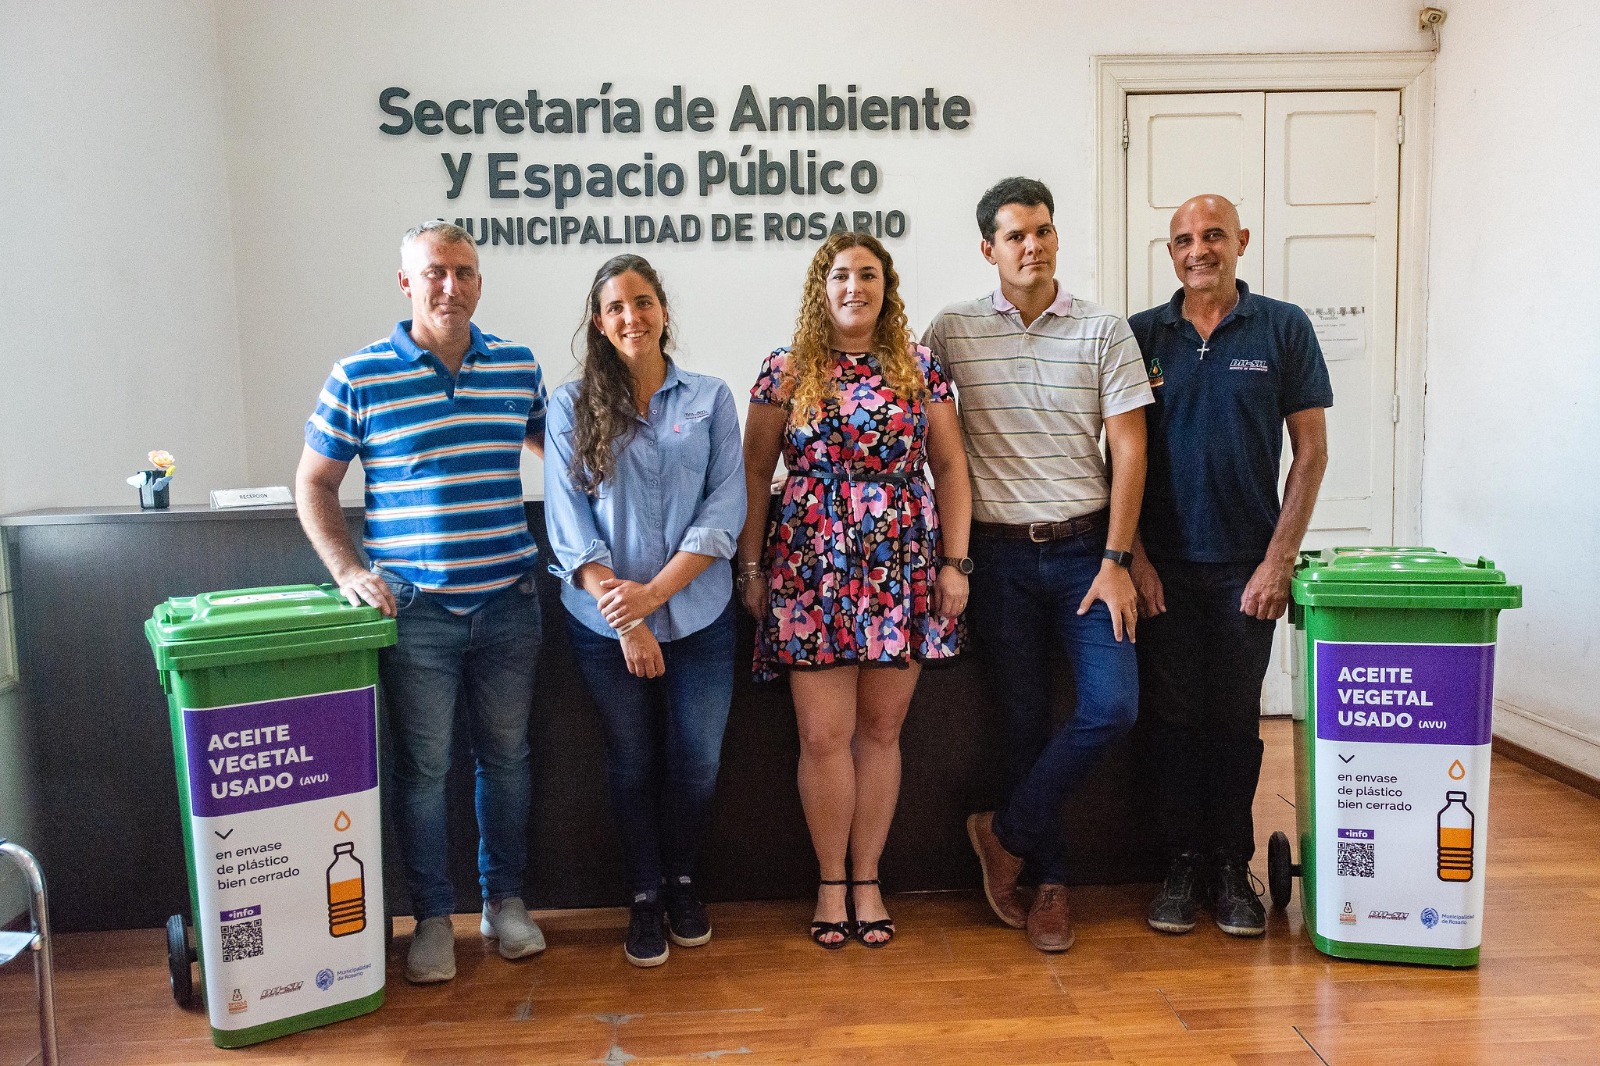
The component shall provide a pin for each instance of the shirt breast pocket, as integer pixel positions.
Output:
(688, 441)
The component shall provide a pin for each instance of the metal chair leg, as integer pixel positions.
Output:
(43, 961)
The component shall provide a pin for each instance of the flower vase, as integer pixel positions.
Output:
(155, 494)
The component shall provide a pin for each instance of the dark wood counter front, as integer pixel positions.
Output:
(94, 729)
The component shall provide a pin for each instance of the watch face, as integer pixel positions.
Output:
(962, 565)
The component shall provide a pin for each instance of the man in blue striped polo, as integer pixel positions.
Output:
(438, 413)
(1039, 373)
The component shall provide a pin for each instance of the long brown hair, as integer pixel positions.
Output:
(604, 413)
(808, 380)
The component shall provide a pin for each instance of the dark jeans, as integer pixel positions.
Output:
(489, 656)
(1025, 600)
(663, 742)
(1201, 665)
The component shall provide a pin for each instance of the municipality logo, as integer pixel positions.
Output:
(324, 979)
(1430, 917)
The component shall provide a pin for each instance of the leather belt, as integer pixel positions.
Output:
(1044, 532)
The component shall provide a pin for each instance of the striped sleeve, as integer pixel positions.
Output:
(334, 428)
(536, 411)
(1124, 382)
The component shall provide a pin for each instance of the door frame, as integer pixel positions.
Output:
(1411, 73)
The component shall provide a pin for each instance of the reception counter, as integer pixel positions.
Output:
(100, 769)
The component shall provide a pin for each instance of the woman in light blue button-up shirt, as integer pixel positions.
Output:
(644, 497)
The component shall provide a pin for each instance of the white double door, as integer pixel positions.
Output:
(1316, 179)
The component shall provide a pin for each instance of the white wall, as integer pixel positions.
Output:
(1513, 387)
(117, 295)
(320, 196)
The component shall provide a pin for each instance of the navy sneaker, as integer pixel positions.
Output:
(1235, 900)
(1177, 906)
(647, 941)
(688, 924)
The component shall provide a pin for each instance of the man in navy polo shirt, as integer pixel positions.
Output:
(438, 413)
(1229, 369)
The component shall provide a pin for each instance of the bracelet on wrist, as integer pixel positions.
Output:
(629, 628)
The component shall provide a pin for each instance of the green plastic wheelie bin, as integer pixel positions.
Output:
(272, 700)
(1393, 709)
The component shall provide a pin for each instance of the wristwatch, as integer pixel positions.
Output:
(962, 564)
(1122, 559)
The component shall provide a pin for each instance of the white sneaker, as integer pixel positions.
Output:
(507, 921)
(432, 957)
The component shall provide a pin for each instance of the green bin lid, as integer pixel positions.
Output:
(253, 625)
(1400, 577)
(256, 612)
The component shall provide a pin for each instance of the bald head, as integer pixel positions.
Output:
(1211, 207)
(1205, 244)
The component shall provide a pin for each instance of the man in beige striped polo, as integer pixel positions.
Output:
(1040, 374)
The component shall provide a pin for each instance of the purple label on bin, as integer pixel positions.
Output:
(1357, 834)
(1405, 693)
(240, 914)
(255, 756)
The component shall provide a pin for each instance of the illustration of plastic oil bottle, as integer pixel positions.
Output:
(347, 892)
(1455, 838)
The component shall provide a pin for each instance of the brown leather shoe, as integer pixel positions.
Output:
(1049, 921)
(1000, 870)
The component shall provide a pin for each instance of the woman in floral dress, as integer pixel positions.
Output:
(861, 573)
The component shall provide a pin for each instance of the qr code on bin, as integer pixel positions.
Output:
(1355, 859)
(242, 940)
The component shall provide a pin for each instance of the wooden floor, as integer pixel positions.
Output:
(955, 986)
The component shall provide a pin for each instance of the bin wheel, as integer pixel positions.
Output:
(179, 957)
(1280, 870)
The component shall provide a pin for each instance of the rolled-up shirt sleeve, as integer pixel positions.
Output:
(574, 537)
(714, 529)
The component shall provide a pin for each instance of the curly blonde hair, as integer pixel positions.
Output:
(808, 378)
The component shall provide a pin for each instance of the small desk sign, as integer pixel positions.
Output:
(273, 496)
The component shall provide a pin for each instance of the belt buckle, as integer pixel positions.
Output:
(1033, 532)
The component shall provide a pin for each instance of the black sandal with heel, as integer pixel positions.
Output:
(879, 925)
(820, 929)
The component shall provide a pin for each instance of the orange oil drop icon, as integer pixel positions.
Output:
(342, 822)
(1455, 838)
(1457, 771)
(347, 892)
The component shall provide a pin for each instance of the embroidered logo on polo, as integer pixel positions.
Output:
(1249, 364)
(1156, 377)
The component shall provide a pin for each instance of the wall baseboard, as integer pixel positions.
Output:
(1558, 752)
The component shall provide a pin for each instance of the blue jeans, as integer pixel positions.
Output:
(1201, 665)
(1025, 600)
(488, 657)
(663, 743)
